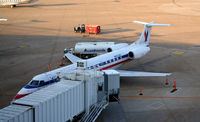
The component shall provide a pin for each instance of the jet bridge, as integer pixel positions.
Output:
(80, 95)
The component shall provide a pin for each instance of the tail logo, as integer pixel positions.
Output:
(146, 35)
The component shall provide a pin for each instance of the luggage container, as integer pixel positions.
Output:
(16, 113)
(93, 29)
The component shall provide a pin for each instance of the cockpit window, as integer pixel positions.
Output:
(42, 83)
(34, 83)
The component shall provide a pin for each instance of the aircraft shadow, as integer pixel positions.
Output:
(148, 63)
(121, 23)
(41, 5)
(117, 30)
(138, 34)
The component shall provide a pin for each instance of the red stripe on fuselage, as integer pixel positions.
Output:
(114, 64)
(20, 96)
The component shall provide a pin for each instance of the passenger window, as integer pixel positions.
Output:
(42, 83)
(112, 60)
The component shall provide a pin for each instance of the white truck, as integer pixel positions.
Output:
(87, 50)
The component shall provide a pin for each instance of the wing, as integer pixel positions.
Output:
(124, 73)
(72, 57)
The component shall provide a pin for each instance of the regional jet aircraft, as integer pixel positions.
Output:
(13, 3)
(111, 60)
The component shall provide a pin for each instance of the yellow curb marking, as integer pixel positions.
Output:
(177, 52)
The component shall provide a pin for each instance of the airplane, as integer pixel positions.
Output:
(111, 60)
(2, 19)
(13, 3)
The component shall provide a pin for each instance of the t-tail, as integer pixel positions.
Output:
(145, 36)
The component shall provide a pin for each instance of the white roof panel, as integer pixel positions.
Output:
(44, 94)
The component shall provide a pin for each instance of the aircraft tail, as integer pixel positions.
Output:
(145, 36)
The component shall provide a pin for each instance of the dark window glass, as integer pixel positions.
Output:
(34, 83)
(42, 83)
(124, 56)
(112, 60)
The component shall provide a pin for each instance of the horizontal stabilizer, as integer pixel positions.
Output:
(150, 24)
(124, 73)
(72, 57)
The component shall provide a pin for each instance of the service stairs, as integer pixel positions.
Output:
(95, 111)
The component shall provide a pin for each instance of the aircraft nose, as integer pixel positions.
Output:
(19, 96)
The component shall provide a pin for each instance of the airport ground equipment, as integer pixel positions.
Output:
(95, 29)
(87, 50)
(80, 28)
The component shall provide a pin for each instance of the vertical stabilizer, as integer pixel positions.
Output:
(145, 36)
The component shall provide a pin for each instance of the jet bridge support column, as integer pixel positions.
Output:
(87, 106)
(112, 85)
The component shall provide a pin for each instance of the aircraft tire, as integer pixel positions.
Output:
(12, 6)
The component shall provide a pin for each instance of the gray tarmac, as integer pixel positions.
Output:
(36, 35)
(158, 103)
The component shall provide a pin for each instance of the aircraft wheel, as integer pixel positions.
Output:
(12, 6)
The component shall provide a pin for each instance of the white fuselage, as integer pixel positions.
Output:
(112, 60)
(15, 2)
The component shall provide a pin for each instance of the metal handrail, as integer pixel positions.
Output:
(95, 111)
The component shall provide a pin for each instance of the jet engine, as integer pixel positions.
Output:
(116, 47)
(138, 52)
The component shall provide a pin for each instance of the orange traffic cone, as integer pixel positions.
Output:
(61, 62)
(174, 89)
(166, 82)
(49, 67)
(141, 92)
(175, 84)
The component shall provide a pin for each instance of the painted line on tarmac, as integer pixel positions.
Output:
(23, 46)
(159, 97)
(178, 52)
